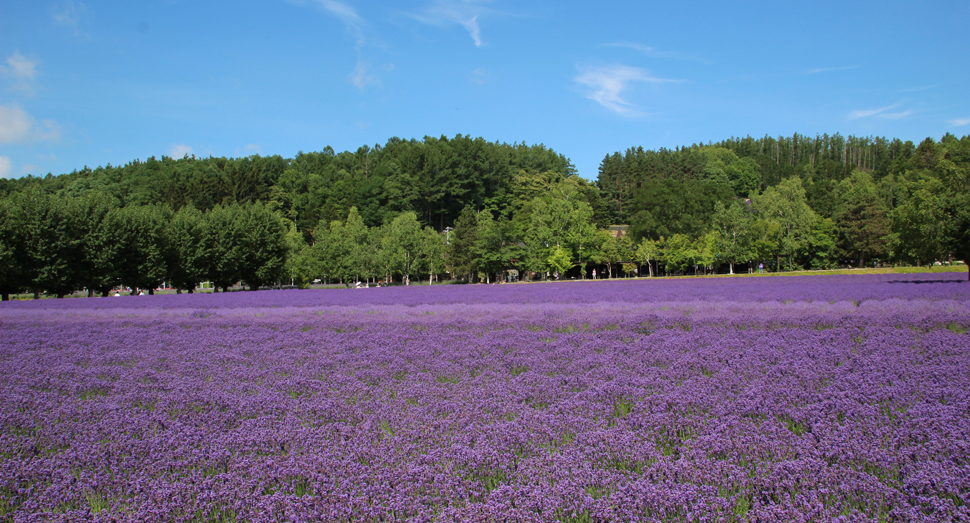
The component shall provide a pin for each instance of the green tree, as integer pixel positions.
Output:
(262, 236)
(461, 245)
(606, 251)
(185, 249)
(734, 223)
(13, 263)
(668, 207)
(822, 247)
(54, 232)
(680, 253)
(862, 219)
(648, 251)
(766, 235)
(559, 261)
(222, 249)
(100, 259)
(403, 244)
(142, 249)
(787, 206)
(919, 224)
(433, 250)
(300, 262)
(356, 254)
(709, 251)
(558, 220)
(491, 245)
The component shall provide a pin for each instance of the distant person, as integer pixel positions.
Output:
(761, 267)
(594, 274)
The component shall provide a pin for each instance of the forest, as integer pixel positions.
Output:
(465, 209)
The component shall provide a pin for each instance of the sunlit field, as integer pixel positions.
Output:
(749, 399)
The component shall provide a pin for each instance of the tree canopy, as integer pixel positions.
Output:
(478, 210)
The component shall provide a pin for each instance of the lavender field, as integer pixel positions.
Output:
(824, 398)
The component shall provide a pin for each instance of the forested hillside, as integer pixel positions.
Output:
(434, 178)
(810, 200)
(471, 209)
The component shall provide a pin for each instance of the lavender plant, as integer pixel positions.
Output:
(802, 399)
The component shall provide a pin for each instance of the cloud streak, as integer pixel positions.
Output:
(648, 50)
(348, 15)
(959, 122)
(465, 13)
(18, 126)
(361, 77)
(22, 70)
(881, 112)
(180, 150)
(830, 69)
(606, 85)
(69, 13)
(357, 26)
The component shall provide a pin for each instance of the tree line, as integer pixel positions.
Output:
(472, 209)
(814, 202)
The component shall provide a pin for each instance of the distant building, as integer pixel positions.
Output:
(618, 231)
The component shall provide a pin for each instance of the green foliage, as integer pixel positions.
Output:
(919, 223)
(786, 207)
(735, 227)
(493, 248)
(862, 218)
(816, 202)
(647, 252)
(670, 206)
(559, 221)
(185, 249)
(53, 234)
(461, 244)
(300, 263)
(403, 243)
(262, 235)
(14, 274)
(558, 261)
(680, 253)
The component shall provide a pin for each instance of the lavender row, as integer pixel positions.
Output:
(855, 288)
(693, 410)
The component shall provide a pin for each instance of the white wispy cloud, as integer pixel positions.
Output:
(479, 76)
(648, 50)
(18, 126)
(362, 77)
(68, 13)
(358, 27)
(959, 122)
(471, 25)
(881, 112)
(348, 15)
(915, 89)
(179, 150)
(465, 13)
(6, 167)
(22, 70)
(606, 85)
(895, 116)
(830, 69)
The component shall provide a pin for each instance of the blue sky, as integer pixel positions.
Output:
(99, 82)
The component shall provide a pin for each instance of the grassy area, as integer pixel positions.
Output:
(876, 270)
